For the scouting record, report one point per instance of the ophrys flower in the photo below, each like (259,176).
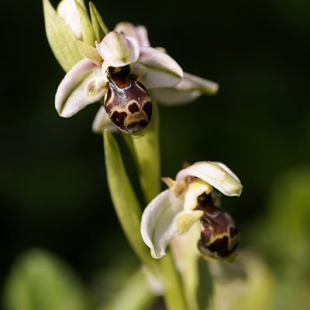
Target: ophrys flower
(187,201)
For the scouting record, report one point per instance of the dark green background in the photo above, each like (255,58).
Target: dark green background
(53,191)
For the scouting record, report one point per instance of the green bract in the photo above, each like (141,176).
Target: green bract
(61,38)
(69,23)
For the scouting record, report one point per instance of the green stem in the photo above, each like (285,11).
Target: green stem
(173,290)
(148,157)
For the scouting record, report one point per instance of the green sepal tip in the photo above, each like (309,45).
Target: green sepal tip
(99,27)
(87,28)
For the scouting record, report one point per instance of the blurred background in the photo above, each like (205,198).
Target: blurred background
(53,191)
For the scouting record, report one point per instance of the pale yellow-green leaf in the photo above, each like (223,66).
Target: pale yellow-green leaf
(124,199)
(173,288)
(204,285)
(100,29)
(40,281)
(60,38)
(87,29)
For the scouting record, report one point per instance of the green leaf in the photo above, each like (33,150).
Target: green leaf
(40,281)
(60,38)
(205,286)
(87,28)
(124,199)
(100,29)
(148,157)
(173,290)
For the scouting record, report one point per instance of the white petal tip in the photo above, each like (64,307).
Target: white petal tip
(216,174)
(159,255)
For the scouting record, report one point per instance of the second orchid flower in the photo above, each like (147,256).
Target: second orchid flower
(190,199)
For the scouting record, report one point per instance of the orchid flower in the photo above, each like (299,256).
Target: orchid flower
(124,92)
(115,71)
(180,206)
(186,91)
(87,82)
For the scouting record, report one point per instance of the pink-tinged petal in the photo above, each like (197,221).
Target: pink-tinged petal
(187,91)
(162,70)
(118,50)
(142,36)
(173,96)
(78,88)
(192,82)
(137,32)
(216,174)
(102,122)
(158,223)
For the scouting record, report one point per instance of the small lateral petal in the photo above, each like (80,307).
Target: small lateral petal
(216,174)
(158,223)
(72,95)
(186,220)
(89,52)
(163,71)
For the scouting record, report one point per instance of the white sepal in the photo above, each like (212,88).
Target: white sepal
(158,223)
(216,174)
(173,96)
(73,92)
(188,90)
(162,70)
